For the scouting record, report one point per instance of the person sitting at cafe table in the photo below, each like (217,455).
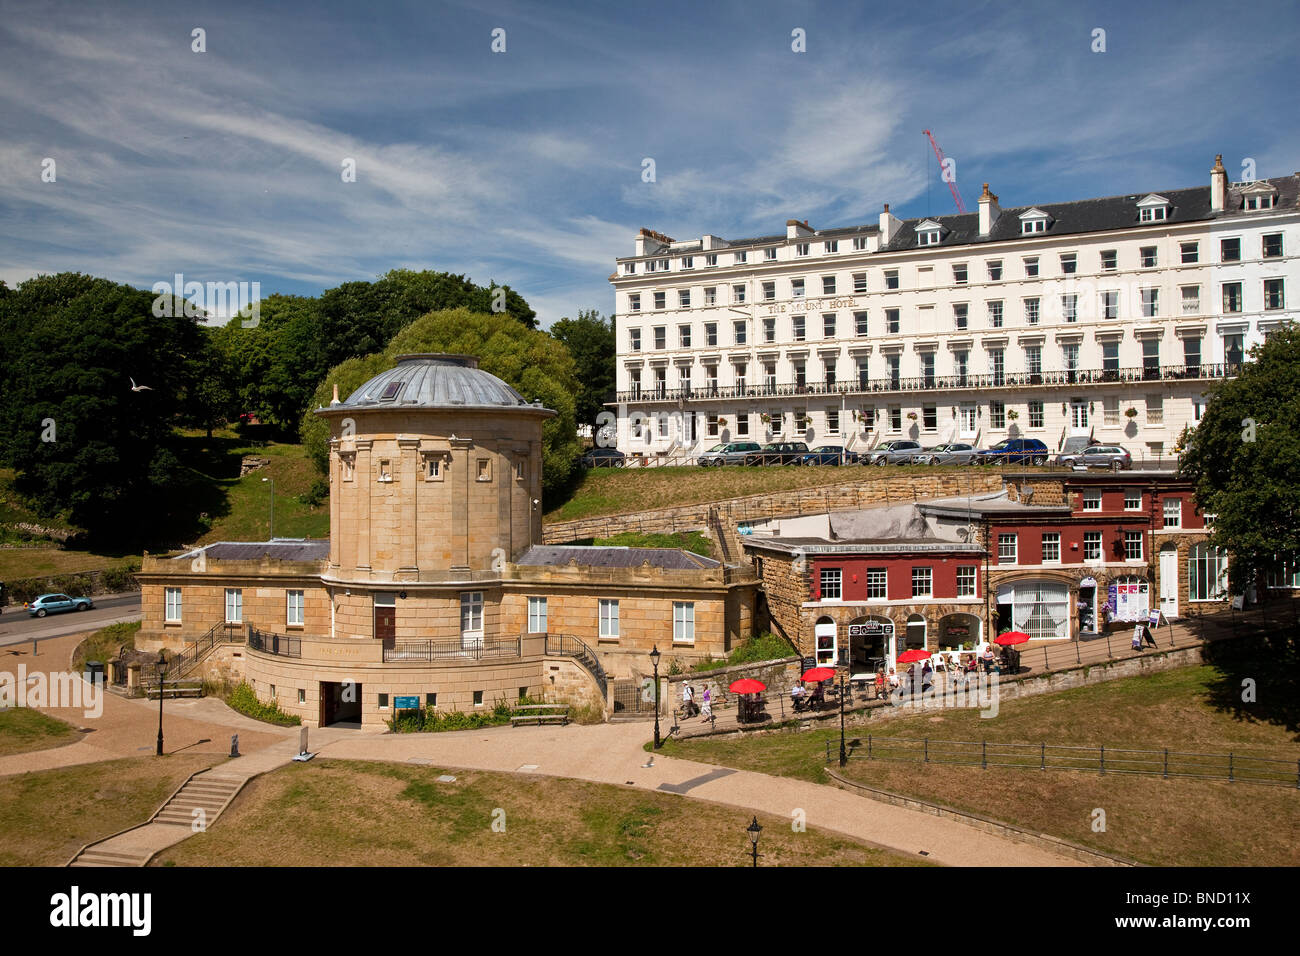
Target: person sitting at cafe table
(987,658)
(797,693)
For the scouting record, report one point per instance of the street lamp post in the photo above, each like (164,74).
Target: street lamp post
(162,675)
(654,660)
(753,830)
(844,757)
(272,481)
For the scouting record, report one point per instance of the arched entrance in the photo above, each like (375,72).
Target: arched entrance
(916,632)
(871,643)
(956,630)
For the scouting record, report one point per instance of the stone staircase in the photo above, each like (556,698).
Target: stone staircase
(208,790)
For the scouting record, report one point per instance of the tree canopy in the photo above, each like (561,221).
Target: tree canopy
(1244,458)
(537,365)
(590,340)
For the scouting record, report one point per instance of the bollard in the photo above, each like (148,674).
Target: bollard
(1166,773)
(1103,759)
(1046,666)
(927,749)
(1109,652)
(1230,780)
(1042,756)
(234,745)
(984,755)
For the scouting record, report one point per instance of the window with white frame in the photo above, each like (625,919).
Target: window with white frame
(1207,573)
(1133,545)
(922,582)
(1132,499)
(1006,549)
(1173,512)
(294,608)
(877,584)
(1031,267)
(608,619)
(960,275)
(800,249)
(1069,263)
(891,278)
(1092,500)
(1147,256)
(1051,547)
(796,288)
(832,245)
(1092,546)
(966,580)
(683,622)
(471,614)
(1190,252)
(830,584)
(537,615)
(738,293)
(711,295)
(859,243)
(234,606)
(1036,413)
(711,259)
(172,605)
(828,285)
(859,282)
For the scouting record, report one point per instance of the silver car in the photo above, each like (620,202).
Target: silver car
(727,453)
(949,453)
(1113,457)
(900,451)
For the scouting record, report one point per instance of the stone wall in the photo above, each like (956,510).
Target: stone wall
(877,486)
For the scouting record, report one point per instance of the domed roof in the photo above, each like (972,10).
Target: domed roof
(436,381)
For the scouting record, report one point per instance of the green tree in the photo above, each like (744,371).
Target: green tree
(590,340)
(70,346)
(535,364)
(1244,458)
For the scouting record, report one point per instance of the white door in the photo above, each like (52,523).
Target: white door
(1078,418)
(1169,582)
(966,415)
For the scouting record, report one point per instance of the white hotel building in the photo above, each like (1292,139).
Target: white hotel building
(1107,318)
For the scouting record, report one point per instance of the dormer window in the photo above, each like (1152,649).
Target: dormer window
(1258,195)
(929,233)
(1033,221)
(1153,209)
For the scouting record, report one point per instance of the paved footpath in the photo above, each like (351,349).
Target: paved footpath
(612,754)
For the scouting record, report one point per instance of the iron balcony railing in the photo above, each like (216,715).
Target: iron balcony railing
(453,650)
(281,645)
(1103,376)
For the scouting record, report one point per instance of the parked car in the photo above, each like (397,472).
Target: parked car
(829,455)
(778,453)
(949,453)
(603,458)
(1012,451)
(900,451)
(727,453)
(1113,457)
(55,603)
(1073,445)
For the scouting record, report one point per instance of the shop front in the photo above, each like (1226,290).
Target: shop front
(959,630)
(1129,598)
(1039,608)
(871,644)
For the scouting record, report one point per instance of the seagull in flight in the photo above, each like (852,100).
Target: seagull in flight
(140,388)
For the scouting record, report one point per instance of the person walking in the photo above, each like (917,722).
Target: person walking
(688,701)
(706,709)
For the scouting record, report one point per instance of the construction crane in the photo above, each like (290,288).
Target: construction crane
(952,185)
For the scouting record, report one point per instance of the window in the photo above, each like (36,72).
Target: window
(769,291)
(1109,260)
(738,330)
(769,330)
(1259,202)
(1132,499)
(1110,410)
(929,417)
(471,613)
(830,582)
(995,270)
(877,584)
(537,615)
(1232,297)
(859,243)
(892,365)
(891,321)
(1191,299)
(711,259)
(1173,508)
(1036,414)
(997,366)
(1273,295)
(828,371)
(688,262)
(800,370)
(684,336)
(711,333)
(1229,250)
(832,245)
(922,582)
(800,249)
(966,580)
(959,316)
(608,620)
(859,282)
(1191,252)
(234,606)
(1034,359)
(1153,213)
(1150,302)
(997,415)
(1070,354)
(1030,226)
(1051,547)
(828,285)
(683,298)
(1109,305)
(1147,256)
(661,300)
(629,268)
(868,411)
(172,598)
(742,424)
(738,293)
(294,608)
(661,337)
(796,288)
(959,273)
(1110,356)
(634,302)
(302,695)
(1031,311)
(1006,549)
(832,421)
(1092,546)
(1070,308)
(484,469)
(683,622)
(634,339)
(798,328)
(769,253)
(895,418)
(828,325)
(1272,246)
(742,257)
(1031,266)
(961,365)
(1069,263)
(769,374)
(1155,409)
(995,315)
(891,278)
(711,295)
(1092,500)
(1133,545)
(860,323)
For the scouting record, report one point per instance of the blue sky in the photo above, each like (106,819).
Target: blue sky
(525,166)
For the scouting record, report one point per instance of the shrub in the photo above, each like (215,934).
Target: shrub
(318,492)
(104,644)
(74,585)
(244,700)
(432,721)
(120,578)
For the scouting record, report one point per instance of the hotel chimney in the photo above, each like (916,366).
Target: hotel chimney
(1218,185)
(989,211)
(889,226)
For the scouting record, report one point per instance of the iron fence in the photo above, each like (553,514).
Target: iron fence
(1230,767)
(281,645)
(452,650)
(566,645)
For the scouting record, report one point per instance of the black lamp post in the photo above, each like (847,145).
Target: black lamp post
(162,675)
(654,660)
(753,830)
(844,756)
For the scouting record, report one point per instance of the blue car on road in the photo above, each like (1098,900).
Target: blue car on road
(55,603)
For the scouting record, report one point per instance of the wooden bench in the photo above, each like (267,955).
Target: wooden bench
(176,688)
(539,714)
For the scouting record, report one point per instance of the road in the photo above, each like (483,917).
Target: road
(17,626)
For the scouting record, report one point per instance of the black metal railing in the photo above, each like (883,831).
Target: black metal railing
(281,645)
(1230,767)
(452,650)
(181,663)
(566,645)
(1103,376)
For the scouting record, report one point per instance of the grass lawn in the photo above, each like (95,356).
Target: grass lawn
(17,563)
(323,814)
(693,541)
(23,730)
(48,815)
(1176,822)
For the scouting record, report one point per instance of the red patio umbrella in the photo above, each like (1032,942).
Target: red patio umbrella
(1011,637)
(916,654)
(747,685)
(818,674)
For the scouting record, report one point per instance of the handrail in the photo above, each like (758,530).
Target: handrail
(428,651)
(566,645)
(194,652)
(282,645)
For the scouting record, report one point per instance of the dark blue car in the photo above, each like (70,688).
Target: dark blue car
(829,455)
(1012,451)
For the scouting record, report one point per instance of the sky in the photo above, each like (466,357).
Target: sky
(528,166)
